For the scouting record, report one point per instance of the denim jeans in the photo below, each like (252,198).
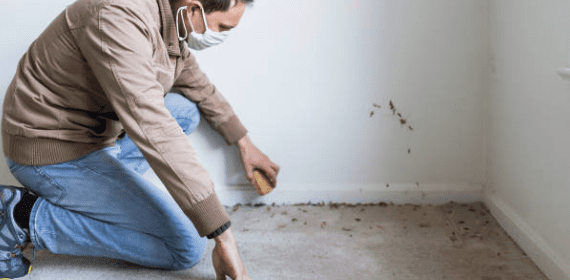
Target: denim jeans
(100,205)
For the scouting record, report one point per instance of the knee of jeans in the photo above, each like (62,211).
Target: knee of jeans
(191,258)
(183,110)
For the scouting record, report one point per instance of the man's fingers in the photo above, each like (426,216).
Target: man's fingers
(272,176)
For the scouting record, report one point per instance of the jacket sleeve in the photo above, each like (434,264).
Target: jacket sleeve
(196,86)
(118,47)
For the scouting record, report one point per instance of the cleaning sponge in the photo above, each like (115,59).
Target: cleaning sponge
(262,184)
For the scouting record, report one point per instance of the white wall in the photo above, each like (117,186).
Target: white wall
(529,139)
(304,75)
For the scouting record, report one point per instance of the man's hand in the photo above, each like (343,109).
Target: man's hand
(226,258)
(253,158)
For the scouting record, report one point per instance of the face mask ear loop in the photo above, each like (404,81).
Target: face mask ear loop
(204,17)
(192,25)
(180,11)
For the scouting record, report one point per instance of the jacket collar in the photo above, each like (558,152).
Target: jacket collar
(169,34)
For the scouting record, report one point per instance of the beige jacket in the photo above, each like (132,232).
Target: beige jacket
(103,66)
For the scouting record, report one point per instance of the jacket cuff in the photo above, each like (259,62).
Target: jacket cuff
(208,215)
(232,130)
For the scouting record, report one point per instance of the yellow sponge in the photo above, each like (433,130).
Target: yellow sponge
(261,182)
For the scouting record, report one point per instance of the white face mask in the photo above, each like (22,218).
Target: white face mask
(199,41)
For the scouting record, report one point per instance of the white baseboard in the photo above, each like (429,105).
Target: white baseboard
(287,194)
(543,255)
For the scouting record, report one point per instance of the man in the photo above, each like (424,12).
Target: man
(110,68)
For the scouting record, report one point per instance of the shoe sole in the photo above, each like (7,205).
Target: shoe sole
(10,209)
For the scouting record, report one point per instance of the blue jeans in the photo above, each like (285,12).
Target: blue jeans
(100,205)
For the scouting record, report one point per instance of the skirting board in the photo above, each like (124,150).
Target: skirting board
(543,255)
(288,194)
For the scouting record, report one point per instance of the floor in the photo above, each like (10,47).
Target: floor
(335,241)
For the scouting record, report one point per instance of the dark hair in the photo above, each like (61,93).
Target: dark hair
(218,5)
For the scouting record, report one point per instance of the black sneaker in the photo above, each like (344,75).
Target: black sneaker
(12,238)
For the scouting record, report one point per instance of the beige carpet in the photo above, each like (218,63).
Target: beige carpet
(451,241)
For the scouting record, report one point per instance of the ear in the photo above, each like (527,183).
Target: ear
(194,6)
